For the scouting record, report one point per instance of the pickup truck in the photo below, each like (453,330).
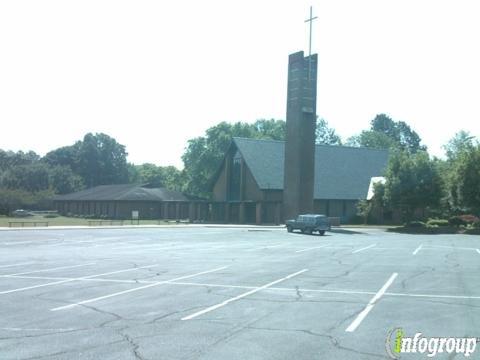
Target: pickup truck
(309,223)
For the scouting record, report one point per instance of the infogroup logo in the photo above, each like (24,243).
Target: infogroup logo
(397,343)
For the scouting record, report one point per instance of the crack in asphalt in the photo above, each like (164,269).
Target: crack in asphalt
(45,334)
(415,275)
(115,316)
(74,350)
(334,341)
(229,335)
(345,319)
(299,294)
(135,347)
(161,317)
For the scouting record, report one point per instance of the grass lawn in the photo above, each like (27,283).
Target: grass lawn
(71,221)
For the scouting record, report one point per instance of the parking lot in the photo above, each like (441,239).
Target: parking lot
(231,293)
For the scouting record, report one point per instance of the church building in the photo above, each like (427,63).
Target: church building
(250,180)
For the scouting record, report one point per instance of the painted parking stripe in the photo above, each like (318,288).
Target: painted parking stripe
(435,296)
(19,264)
(83,279)
(365,248)
(312,248)
(223,303)
(88,301)
(50,269)
(358,320)
(273,246)
(265,247)
(246,287)
(71,279)
(17,242)
(415,252)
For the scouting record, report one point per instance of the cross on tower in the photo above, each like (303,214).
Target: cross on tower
(310,20)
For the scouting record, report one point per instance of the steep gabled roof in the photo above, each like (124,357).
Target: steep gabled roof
(126,192)
(341,172)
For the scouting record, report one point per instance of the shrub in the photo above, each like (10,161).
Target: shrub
(437,222)
(50,216)
(475,231)
(469,219)
(416,224)
(476,224)
(457,221)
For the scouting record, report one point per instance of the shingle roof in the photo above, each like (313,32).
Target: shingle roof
(126,192)
(341,172)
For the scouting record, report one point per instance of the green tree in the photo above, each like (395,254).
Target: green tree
(9,159)
(33,177)
(63,180)
(203,154)
(461,142)
(464,184)
(12,199)
(412,182)
(98,159)
(382,123)
(456,151)
(64,156)
(174,179)
(408,139)
(269,129)
(102,160)
(385,133)
(150,174)
(372,139)
(326,135)
(366,208)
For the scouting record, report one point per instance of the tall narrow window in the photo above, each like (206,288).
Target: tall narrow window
(234,193)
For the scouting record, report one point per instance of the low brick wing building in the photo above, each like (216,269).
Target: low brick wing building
(118,202)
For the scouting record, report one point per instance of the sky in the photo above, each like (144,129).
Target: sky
(153,74)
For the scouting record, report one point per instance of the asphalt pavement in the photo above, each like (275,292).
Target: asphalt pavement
(232,293)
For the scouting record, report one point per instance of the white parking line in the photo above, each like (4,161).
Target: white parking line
(51,269)
(449,247)
(72,279)
(353,326)
(365,248)
(39,329)
(274,246)
(246,287)
(19,264)
(141,247)
(338,247)
(17,242)
(266,247)
(417,249)
(463,297)
(312,248)
(223,303)
(352,292)
(136,281)
(134,289)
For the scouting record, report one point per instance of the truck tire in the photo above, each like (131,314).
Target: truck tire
(321,232)
(289,228)
(308,231)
